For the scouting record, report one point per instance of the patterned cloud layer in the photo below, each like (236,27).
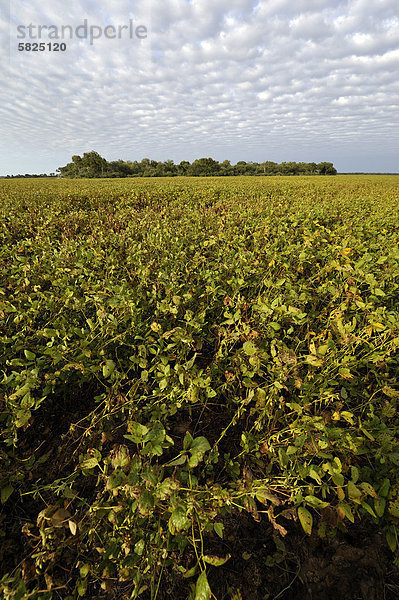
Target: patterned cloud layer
(237,79)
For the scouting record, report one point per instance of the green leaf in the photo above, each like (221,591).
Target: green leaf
(249,348)
(145,503)
(368,489)
(116,480)
(200,444)
(260,397)
(202,589)
(392,539)
(264,495)
(188,439)
(82,587)
(384,488)
(22,418)
(178,521)
(139,547)
(191,572)
(137,431)
(176,462)
(314,475)
(368,508)
(346,511)
(379,506)
(315,502)
(354,474)
(283,457)
(89,463)
(163,383)
(84,570)
(29,355)
(306,519)
(195,459)
(108,368)
(393,508)
(219,527)
(353,492)
(6,493)
(337,465)
(338,479)
(348,416)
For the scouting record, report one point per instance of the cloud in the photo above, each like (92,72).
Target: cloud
(234,79)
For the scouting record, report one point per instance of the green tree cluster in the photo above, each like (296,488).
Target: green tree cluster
(91,164)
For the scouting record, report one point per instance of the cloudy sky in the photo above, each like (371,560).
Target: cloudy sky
(304,80)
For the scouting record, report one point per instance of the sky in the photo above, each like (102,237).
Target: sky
(281,80)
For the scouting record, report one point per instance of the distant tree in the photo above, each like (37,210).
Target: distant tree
(204,167)
(183,167)
(240,168)
(269,167)
(226,168)
(93,165)
(326,168)
(169,169)
(312,168)
(145,163)
(90,165)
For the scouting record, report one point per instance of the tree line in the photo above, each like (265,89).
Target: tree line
(28,175)
(91,164)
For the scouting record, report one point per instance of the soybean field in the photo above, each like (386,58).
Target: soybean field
(199,388)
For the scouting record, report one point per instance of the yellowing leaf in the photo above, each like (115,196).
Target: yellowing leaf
(60,518)
(178,521)
(345,373)
(314,360)
(216,561)
(202,589)
(315,502)
(89,463)
(314,475)
(306,519)
(368,489)
(73,527)
(344,510)
(393,508)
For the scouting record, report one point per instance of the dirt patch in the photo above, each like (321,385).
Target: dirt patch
(355,565)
